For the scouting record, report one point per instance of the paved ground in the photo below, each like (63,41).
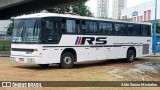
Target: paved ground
(88,71)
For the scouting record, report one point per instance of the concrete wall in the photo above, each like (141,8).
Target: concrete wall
(20,7)
(9,3)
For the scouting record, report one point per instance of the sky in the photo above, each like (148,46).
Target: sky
(92,4)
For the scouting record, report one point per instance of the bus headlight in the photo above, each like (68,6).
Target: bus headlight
(30,59)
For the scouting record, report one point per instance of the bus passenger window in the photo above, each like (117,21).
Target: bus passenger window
(63,25)
(91,27)
(137,30)
(78,30)
(120,29)
(83,26)
(71,24)
(131,30)
(105,28)
(145,30)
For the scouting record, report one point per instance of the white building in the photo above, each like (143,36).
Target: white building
(4,26)
(142,12)
(102,8)
(118,5)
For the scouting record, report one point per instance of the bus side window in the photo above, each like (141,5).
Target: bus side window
(145,30)
(105,28)
(70,26)
(78,30)
(91,27)
(137,30)
(120,29)
(83,26)
(63,25)
(131,30)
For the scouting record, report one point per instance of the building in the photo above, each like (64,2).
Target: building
(4,26)
(118,6)
(102,8)
(142,12)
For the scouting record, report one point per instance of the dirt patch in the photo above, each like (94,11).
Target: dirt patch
(87,71)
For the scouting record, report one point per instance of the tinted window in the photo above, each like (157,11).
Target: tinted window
(120,29)
(145,31)
(133,29)
(51,30)
(105,28)
(70,26)
(137,30)
(89,27)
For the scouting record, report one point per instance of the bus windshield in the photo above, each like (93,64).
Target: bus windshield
(26,30)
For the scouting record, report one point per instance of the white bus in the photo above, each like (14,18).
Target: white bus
(47,38)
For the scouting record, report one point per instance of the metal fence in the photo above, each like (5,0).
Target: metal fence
(158,44)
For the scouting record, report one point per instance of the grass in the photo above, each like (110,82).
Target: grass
(5,45)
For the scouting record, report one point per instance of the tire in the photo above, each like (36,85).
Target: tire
(43,65)
(67,60)
(130,56)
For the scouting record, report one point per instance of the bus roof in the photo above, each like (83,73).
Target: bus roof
(42,15)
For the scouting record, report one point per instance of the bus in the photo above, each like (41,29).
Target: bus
(49,38)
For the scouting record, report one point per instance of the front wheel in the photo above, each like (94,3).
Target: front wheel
(67,60)
(130,56)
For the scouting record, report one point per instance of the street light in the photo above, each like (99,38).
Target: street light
(154,36)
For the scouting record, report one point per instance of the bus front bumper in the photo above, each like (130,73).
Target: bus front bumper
(22,59)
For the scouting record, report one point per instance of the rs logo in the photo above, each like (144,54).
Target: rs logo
(91,40)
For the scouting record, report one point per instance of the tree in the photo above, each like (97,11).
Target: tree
(10,28)
(77,8)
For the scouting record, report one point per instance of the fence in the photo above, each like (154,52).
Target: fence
(158,43)
(5,45)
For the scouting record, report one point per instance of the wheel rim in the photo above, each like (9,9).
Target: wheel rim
(67,60)
(131,56)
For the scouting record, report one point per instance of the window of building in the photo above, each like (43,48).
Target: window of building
(120,29)
(105,28)
(149,15)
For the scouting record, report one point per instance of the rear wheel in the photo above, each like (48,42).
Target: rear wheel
(67,60)
(44,65)
(130,56)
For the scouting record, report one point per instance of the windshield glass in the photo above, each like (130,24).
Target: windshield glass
(27,30)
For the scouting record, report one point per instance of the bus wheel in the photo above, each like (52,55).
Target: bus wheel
(43,65)
(67,60)
(130,56)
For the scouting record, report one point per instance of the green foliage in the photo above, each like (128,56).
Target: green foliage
(5,45)
(77,8)
(10,28)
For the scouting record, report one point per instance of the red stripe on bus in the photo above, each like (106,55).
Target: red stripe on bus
(79,41)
